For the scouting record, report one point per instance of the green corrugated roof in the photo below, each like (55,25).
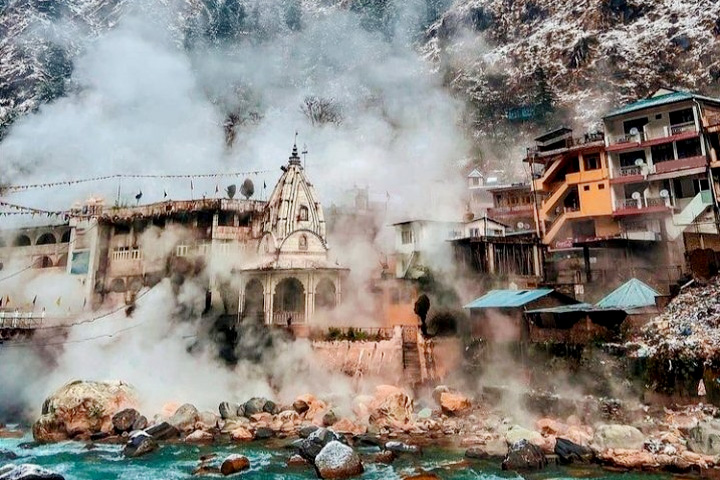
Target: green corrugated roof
(508,298)
(659,100)
(631,294)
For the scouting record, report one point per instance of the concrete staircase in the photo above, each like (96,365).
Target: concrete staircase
(692,211)
(411,355)
(555,197)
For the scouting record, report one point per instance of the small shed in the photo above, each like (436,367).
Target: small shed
(499,315)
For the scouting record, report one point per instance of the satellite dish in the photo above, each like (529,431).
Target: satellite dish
(634,131)
(639,162)
(520,225)
(664,193)
(527,226)
(636,195)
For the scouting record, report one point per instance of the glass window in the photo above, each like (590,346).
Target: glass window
(689,148)
(662,153)
(628,159)
(679,117)
(637,123)
(592,162)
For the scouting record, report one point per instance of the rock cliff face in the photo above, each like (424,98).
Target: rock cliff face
(538,61)
(584,56)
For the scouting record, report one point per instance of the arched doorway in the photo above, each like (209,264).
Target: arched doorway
(44,262)
(254,301)
(289,302)
(325,295)
(21,241)
(46,239)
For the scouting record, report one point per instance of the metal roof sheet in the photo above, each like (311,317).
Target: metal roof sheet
(631,294)
(578,307)
(508,298)
(658,101)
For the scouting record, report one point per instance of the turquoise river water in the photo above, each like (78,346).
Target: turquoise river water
(79,461)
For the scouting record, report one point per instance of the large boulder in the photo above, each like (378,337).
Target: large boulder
(81,409)
(517,433)
(229,411)
(254,406)
(163,431)
(234,464)
(705,438)
(337,460)
(124,420)
(27,471)
(140,443)
(618,436)
(184,418)
(454,403)
(315,442)
(524,455)
(569,452)
(391,405)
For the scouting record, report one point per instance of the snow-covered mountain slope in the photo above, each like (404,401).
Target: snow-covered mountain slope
(593,54)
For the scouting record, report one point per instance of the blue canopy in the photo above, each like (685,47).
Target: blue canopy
(631,294)
(508,298)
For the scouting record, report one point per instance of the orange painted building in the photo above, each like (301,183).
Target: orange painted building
(572,188)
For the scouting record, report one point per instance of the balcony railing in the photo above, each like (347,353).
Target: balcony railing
(682,128)
(133,254)
(571,142)
(630,171)
(17,320)
(630,138)
(281,318)
(641,203)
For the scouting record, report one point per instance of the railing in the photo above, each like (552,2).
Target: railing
(640,203)
(510,209)
(281,318)
(630,138)
(629,171)
(571,142)
(20,320)
(134,254)
(682,128)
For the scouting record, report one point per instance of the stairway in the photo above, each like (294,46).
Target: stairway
(555,197)
(692,211)
(411,355)
(557,225)
(550,172)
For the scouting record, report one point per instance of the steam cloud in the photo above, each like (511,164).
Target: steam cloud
(142,101)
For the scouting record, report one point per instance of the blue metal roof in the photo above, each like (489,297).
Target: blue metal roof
(659,100)
(508,298)
(631,294)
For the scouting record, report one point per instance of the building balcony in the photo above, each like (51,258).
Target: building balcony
(590,140)
(671,133)
(509,211)
(680,164)
(631,206)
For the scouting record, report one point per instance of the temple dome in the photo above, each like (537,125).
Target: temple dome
(293,205)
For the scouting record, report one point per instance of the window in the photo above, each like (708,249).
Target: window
(689,148)
(629,159)
(586,188)
(407,236)
(303,242)
(592,162)
(680,117)
(662,153)
(601,186)
(637,123)
(303,215)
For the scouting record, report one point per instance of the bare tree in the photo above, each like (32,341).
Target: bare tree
(321,110)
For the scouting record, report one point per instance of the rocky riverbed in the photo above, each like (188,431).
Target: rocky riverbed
(382,427)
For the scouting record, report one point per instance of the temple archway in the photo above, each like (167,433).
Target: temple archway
(21,241)
(44,262)
(46,239)
(289,302)
(325,295)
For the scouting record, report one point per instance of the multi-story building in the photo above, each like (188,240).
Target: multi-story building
(661,155)
(572,188)
(513,205)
